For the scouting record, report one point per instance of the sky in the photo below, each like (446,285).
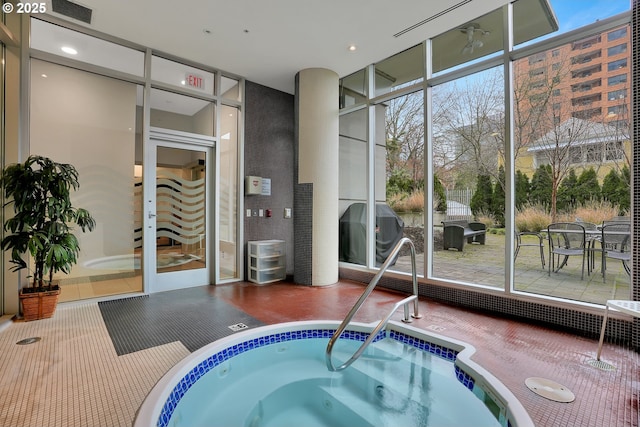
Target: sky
(572,14)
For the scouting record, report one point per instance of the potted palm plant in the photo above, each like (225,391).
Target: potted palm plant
(42,227)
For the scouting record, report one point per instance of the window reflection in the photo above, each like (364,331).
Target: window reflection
(470,42)
(170,110)
(401,70)
(353,89)
(353,187)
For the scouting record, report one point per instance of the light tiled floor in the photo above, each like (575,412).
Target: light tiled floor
(73,377)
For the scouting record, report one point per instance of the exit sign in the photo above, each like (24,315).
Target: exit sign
(194,81)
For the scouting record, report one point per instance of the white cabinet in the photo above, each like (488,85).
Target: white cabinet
(266,261)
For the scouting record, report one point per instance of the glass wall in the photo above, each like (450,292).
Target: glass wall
(230,88)
(182,76)
(468,158)
(94,129)
(228,191)
(353,89)
(471,42)
(572,157)
(401,70)
(174,111)
(354,178)
(404,182)
(77,46)
(93,116)
(501,169)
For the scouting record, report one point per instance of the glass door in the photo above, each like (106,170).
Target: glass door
(176,177)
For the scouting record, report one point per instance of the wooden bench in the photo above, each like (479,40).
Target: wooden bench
(457,231)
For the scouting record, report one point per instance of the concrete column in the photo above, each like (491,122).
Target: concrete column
(317,130)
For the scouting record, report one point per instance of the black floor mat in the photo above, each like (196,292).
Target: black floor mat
(190,316)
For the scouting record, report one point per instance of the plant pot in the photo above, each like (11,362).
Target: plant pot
(39,305)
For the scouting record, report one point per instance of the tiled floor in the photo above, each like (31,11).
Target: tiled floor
(74,377)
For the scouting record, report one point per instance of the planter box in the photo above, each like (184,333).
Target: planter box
(39,305)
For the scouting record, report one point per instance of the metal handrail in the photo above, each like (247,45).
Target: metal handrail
(384,321)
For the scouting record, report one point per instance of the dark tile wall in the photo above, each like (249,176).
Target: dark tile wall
(303,221)
(269,153)
(304,226)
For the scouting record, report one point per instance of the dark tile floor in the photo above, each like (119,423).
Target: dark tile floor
(511,350)
(191,316)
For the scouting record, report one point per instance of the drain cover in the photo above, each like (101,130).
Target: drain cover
(603,366)
(28,341)
(550,389)
(237,327)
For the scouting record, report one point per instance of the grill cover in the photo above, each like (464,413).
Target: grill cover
(353,233)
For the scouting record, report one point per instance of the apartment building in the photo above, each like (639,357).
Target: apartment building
(576,96)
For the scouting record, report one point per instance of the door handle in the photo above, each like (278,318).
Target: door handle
(151,214)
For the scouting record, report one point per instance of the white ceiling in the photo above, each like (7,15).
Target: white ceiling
(269,41)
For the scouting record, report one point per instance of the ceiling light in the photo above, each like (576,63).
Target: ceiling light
(352,48)
(44,76)
(471,30)
(69,50)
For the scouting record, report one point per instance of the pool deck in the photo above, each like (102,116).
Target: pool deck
(74,377)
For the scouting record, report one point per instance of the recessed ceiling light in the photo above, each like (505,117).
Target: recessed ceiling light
(44,76)
(206,31)
(183,82)
(69,50)
(352,48)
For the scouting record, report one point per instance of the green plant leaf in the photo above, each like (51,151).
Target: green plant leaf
(40,191)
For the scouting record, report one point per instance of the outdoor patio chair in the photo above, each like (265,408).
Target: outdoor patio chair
(615,240)
(565,239)
(592,241)
(535,243)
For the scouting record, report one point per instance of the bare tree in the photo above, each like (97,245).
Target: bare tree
(405,132)
(558,113)
(617,129)
(469,124)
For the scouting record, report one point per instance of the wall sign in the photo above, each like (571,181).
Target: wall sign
(266,187)
(194,81)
